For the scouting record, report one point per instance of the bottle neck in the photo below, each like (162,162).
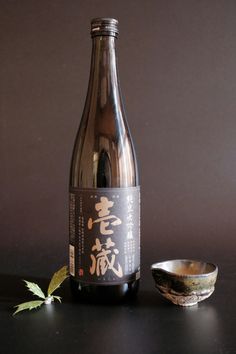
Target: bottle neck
(103,82)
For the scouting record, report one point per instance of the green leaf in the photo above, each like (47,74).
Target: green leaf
(57,298)
(57,279)
(35,289)
(28,306)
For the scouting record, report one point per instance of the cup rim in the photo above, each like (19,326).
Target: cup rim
(157,265)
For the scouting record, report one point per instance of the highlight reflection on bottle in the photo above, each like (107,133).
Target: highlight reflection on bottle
(104,186)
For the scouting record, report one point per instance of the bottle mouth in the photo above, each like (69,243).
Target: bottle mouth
(103,26)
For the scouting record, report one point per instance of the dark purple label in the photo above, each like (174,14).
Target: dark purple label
(105,235)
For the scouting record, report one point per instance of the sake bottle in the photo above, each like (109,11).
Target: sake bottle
(104,222)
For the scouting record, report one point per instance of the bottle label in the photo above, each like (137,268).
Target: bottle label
(105,235)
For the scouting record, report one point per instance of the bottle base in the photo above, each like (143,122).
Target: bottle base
(104,294)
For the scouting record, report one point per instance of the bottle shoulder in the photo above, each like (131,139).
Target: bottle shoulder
(104,154)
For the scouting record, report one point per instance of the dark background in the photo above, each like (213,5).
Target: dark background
(178,77)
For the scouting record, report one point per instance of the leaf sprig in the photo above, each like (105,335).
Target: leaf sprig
(56,281)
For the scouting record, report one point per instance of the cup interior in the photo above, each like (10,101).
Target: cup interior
(185,267)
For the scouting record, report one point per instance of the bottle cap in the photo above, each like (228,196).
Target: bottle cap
(103,26)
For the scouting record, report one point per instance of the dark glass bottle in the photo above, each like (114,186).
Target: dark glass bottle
(104,185)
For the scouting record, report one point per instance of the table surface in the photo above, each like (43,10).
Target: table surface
(148,325)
